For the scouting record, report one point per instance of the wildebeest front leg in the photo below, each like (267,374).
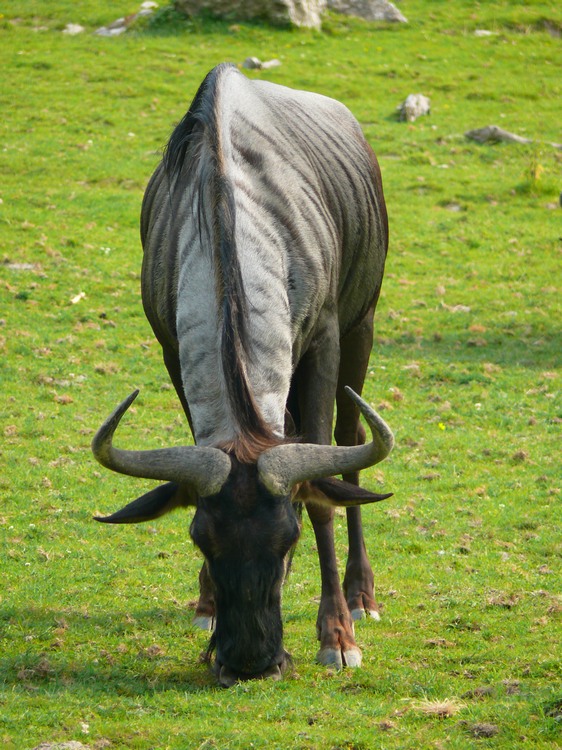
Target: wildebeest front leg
(316,381)
(358,583)
(205,611)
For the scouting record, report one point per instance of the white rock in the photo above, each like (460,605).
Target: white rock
(270,64)
(73,28)
(414,106)
(254,63)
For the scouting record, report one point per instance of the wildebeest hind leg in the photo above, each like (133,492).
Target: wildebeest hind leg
(358,583)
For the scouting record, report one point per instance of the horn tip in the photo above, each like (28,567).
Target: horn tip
(115,518)
(384,431)
(132,396)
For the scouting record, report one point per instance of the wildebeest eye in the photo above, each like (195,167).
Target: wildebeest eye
(288,535)
(201,533)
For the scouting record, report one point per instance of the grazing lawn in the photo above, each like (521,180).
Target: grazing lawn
(96,638)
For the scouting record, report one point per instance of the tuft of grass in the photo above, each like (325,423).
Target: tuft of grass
(538,180)
(440,709)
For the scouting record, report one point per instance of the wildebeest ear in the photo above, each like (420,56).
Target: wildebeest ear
(153,504)
(336,492)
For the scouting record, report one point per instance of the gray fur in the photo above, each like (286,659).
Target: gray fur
(308,228)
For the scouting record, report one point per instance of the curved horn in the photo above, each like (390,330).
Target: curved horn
(204,469)
(282,467)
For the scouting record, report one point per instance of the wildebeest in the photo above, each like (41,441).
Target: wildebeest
(265,234)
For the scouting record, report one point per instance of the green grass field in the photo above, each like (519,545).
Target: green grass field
(96,638)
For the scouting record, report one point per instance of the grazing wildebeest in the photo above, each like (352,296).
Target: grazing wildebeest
(265,233)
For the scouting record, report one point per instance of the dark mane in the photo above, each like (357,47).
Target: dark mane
(195,148)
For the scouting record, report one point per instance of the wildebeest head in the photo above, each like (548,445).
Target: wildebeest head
(245,524)
(245,533)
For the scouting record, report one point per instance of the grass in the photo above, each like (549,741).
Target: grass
(95,623)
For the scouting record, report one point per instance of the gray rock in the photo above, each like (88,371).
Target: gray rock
(295,12)
(252,63)
(494,134)
(370,10)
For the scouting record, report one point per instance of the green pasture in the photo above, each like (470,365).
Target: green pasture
(96,640)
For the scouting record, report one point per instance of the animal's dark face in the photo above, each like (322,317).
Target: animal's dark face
(245,534)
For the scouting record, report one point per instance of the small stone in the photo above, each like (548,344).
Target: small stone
(414,106)
(252,63)
(270,64)
(72,29)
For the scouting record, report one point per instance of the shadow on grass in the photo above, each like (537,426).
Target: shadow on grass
(531,349)
(102,653)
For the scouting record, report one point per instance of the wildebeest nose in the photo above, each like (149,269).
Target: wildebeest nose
(228,678)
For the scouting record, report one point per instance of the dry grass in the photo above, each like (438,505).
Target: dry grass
(441,709)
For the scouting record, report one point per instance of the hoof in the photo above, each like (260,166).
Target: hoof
(330,657)
(205,622)
(333,657)
(352,658)
(358,614)
(361,614)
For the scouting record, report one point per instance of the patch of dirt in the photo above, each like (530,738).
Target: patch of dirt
(480,729)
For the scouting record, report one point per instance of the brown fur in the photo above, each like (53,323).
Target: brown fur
(247,448)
